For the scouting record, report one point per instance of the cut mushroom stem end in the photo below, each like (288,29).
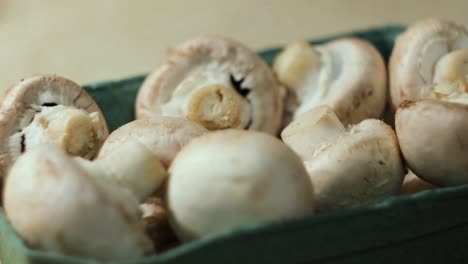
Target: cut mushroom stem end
(69,128)
(218,107)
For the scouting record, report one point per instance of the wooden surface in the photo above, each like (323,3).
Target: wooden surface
(91,40)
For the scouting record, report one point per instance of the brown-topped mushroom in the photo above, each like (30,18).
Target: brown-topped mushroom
(52,109)
(216,82)
(427,53)
(347,74)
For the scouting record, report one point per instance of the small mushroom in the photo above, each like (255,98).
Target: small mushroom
(359,166)
(433,135)
(55,205)
(164,136)
(347,74)
(427,53)
(229,178)
(413,184)
(49,109)
(215,82)
(132,166)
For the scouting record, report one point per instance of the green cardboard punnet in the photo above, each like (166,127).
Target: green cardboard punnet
(427,227)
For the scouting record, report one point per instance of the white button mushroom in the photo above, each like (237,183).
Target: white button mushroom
(164,136)
(433,135)
(228,178)
(216,82)
(361,165)
(55,205)
(49,109)
(426,53)
(347,74)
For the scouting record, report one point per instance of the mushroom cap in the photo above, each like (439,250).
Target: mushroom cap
(228,178)
(347,74)
(362,167)
(416,54)
(433,139)
(176,87)
(164,136)
(413,184)
(55,205)
(22,102)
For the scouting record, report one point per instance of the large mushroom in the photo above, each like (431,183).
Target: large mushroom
(356,166)
(216,82)
(56,204)
(433,135)
(347,74)
(429,52)
(49,109)
(229,178)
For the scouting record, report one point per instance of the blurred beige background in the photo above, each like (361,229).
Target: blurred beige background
(91,40)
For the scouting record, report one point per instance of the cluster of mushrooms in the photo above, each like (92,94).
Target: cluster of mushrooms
(221,140)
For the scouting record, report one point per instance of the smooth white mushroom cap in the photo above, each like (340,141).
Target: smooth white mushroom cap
(347,74)
(420,58)
(228,178)
(164,136)
(55,205)
(216,82)
(433,136)
(362,166)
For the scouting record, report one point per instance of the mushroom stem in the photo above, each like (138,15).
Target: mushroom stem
(132,166)
(294,63)
(453,67)
(449,92)
(71,129)
(218,107)
(312,130)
